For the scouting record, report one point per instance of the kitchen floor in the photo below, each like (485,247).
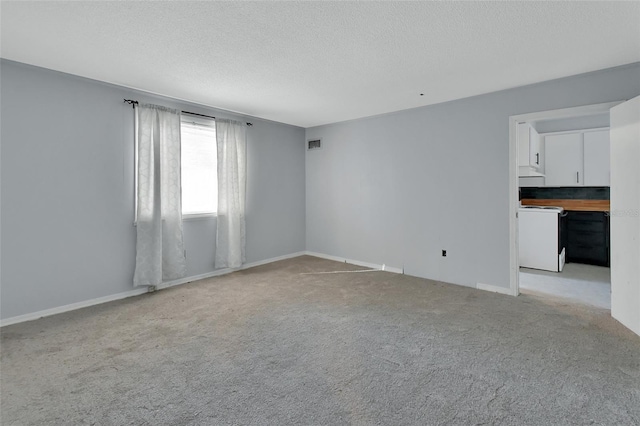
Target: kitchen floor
(582,283)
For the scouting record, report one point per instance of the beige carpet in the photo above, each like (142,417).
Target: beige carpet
(274,346)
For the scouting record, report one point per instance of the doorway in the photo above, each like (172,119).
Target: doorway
(559,223)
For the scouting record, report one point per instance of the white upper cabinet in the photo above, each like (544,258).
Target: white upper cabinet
(564,160)
(534,148)
(577,159)
(596,158)
(528,150)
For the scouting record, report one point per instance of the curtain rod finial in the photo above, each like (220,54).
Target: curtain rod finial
(131,102)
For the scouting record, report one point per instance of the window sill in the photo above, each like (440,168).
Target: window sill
(198,216)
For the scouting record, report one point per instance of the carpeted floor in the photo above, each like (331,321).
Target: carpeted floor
(273,346)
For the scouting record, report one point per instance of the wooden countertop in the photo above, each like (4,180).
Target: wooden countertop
(575,205)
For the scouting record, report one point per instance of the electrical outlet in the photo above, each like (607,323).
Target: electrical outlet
(444,253)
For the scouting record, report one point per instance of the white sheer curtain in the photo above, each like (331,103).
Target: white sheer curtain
(159,246)
(232,183)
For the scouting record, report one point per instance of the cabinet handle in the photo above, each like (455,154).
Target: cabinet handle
(537,158)
(577,177)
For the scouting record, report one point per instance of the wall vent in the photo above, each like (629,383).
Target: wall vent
(314,144)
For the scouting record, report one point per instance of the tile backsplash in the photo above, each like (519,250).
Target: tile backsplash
(566,193)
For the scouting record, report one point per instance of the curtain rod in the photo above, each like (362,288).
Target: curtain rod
(134,103)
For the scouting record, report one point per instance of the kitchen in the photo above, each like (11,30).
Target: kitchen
(564,221)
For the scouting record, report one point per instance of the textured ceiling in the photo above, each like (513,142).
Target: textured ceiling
(311,63)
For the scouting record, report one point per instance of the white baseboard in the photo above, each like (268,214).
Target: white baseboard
(73,306)
(138,291)
(479,286)
(273,259)
(356,262)
(392,269)
(225,271)
(186,280)
(495,289)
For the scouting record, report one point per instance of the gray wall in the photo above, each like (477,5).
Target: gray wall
(398,188)
(67,190)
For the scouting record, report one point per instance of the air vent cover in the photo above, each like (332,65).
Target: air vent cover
(314,144)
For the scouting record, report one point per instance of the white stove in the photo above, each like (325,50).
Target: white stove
(549,209)
(539,237)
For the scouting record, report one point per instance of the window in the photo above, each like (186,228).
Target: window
(199,166)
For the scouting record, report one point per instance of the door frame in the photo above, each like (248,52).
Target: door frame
(514,204)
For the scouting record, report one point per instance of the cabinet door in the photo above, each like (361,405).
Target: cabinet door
(564,160)
(587,238)
(523,144)
(596,158)
(534,148)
